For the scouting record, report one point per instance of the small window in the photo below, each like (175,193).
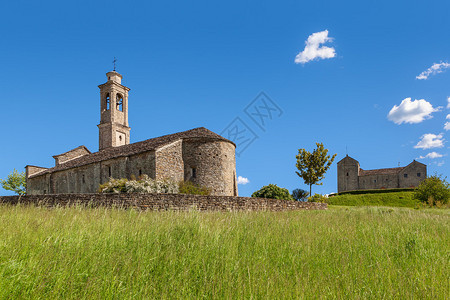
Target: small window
(405,175)
(418,174)
(120,138)
(108,101)
(45,192)
(140,172)
(194,173)
(347,174)
(374,181)
(109,78)
(109,171)
(83,179)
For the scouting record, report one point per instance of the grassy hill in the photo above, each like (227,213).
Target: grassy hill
(396,199)
(353,252)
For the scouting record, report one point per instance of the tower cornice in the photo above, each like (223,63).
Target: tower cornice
(112,83)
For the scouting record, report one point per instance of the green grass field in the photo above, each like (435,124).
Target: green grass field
(394,199)
(349,252)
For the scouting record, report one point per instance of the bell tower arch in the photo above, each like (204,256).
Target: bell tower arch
(113,128)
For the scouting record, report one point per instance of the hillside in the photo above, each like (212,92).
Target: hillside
(395,199)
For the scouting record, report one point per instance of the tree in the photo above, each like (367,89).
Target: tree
(15,182)
(272,191)
(300,195)
(433,189)
(313,166)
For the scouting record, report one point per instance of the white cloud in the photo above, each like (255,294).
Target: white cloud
(447,124)
(430,140)
(312,49)
(242,180)
(440,164)
(431,155)
(411,111)
(434,69)
(448,102)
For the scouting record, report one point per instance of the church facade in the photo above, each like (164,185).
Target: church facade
(198,155)
(352,177)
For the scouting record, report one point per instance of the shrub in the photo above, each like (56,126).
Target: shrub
(318,198)
(113,186)
(145,185)
(300,195)
(188,187)
(272,191)
(432,190)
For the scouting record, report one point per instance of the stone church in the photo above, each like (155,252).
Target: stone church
(198,155)
(351,177)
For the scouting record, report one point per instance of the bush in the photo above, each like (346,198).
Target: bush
(318,198)
(272,191)
(145,185)
(188,187)
(433,190)
(113,186)
(300,195)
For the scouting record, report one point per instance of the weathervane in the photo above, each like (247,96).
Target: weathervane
(114,62)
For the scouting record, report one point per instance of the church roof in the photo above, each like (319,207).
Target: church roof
(388,171)
(135,148)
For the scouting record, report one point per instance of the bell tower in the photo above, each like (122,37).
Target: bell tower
(113,127)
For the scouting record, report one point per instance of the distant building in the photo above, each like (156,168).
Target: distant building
(351,177)
(197,155)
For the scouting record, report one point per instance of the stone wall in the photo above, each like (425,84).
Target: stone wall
(69,155)
(347,174)
(412,175)
(169,162)
(214,164)
(378,181)
(207,162)
(163,202)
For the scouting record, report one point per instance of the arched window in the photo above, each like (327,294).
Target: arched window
(119,102)
(107,101)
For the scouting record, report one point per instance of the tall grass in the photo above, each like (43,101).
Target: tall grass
(365,253)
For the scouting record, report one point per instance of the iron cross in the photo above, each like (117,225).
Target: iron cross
(114,62)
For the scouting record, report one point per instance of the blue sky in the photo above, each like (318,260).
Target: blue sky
(202,63)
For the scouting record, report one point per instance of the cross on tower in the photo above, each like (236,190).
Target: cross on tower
(114,62)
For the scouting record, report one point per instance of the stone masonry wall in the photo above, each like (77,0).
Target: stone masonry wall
(163,202)
(74,153)
(169,162)
(415,173)
(215,165)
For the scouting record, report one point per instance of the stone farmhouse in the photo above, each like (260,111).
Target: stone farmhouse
(198,155)
(351,177)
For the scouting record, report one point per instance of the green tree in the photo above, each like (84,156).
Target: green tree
(313,166)
(272,191)
(16,182)
(433,189)
(300,195)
